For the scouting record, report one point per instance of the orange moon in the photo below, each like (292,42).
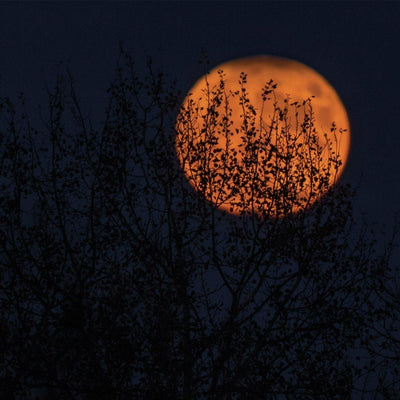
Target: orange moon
(219,122)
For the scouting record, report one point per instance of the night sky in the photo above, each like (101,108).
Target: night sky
(353,45)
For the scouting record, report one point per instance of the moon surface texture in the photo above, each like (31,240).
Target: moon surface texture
(262,135)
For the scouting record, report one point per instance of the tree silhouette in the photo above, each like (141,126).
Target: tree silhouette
(118,280)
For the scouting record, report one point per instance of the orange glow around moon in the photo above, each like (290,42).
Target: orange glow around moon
(250,147)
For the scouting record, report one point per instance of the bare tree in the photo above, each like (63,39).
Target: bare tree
(118,280)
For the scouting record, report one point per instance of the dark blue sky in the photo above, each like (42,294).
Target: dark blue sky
(354,45)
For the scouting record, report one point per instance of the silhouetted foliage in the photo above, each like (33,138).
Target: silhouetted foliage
(119,281)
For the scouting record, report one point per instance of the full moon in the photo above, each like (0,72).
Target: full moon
(262,135)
